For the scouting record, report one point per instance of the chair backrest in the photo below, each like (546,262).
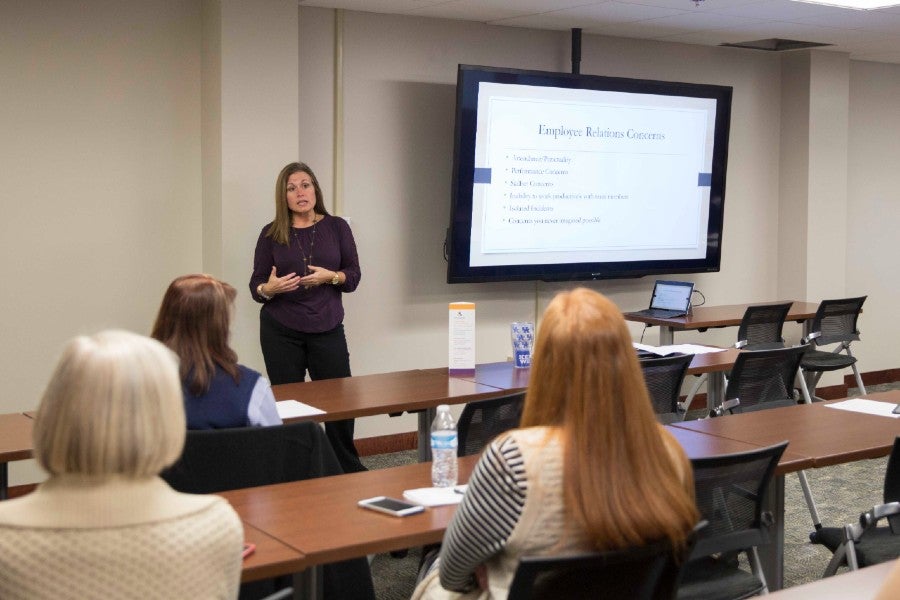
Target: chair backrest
(663,377)
(892,483)
(482,421)
(892,475)
(649,572)
(835,320)
(764,378)
(761,326)
(730,490)
(216,460)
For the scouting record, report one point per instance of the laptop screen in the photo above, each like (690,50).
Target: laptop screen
(672,295)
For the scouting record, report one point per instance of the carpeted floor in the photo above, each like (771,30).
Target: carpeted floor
(841,493)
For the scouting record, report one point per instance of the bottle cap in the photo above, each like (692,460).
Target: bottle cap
(443,408)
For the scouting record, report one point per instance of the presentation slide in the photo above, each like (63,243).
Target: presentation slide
(572,175)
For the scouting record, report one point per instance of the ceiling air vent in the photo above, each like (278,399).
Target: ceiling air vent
(776,45)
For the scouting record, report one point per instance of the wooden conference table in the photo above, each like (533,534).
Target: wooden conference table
(859,585)
(271,558)
(707,317)
(15,444)
(386,393)
(367,395)
(505,376)
(423,390)
(320,519)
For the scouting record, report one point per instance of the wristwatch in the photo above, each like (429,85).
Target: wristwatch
(260,292)
(336,280)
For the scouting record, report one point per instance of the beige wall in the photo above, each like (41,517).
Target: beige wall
(873,208)
(794,173)
(398,147)
(258,128)
(100,175)
(164,125)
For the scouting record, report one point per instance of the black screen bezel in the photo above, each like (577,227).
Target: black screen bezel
(459,269)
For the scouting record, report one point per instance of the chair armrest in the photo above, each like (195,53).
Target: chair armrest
(726,406)
(869,519)
(878,512)
(810,337)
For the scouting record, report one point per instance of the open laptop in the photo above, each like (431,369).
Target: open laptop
(670,299)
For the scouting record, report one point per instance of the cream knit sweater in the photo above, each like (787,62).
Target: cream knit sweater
(118,538)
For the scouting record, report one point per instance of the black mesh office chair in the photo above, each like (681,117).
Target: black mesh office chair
(762,379)
(762,325)
(482,421)
(648,572)
(864,544)
(663,377)
(216,460)
(834,323)
(730,490)
(760,329)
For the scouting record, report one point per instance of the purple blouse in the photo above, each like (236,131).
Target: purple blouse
(318,308)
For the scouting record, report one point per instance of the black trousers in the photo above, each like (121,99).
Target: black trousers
(289,354)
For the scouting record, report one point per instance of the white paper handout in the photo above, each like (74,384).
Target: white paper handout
(291,409)
(679,348)
(869,407)
(433,496)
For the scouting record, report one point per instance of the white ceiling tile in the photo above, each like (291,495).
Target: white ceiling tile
(491,10)
(378,6)
(786,30)
(690,22)
(706,38)
(652,29)
(774,10)
(861,33)
(606,13)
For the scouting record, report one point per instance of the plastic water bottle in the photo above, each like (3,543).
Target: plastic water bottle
(443,448)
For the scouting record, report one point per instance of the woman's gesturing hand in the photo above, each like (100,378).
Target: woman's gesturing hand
(317,276)
(280,285)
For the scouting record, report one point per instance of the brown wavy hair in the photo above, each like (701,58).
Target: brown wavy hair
(280,229)
(194,321)
(626,480)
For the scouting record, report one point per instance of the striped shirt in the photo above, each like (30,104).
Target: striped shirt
(487,515)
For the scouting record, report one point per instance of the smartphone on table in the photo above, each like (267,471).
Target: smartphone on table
(391,506)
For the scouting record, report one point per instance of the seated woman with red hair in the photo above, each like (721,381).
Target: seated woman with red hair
(588,469)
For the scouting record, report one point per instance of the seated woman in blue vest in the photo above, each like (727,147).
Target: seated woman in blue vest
(194,321)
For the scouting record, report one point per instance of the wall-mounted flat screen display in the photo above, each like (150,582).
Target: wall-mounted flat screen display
(567,177)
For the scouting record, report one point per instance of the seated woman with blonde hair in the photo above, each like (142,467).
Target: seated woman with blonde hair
(104,525)
(194,320)
(589,469)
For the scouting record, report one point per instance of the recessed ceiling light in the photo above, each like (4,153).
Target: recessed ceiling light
(854,4)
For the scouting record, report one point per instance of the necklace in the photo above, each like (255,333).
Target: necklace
(307,258)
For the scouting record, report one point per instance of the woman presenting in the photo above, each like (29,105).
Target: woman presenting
(305,260)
